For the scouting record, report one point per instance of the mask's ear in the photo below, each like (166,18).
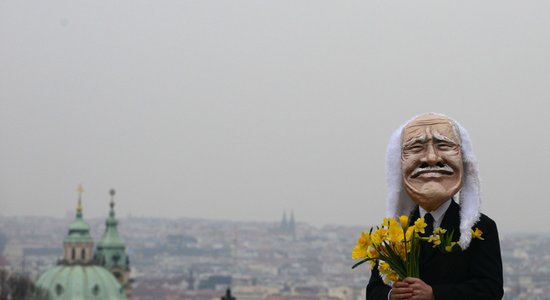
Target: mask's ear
(470,194)
(398,201)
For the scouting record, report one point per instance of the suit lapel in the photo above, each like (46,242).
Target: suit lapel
(451,220)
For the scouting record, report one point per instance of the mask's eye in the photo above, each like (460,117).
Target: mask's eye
(414,148)
(444,146)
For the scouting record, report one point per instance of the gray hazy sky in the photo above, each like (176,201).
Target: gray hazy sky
(240,109)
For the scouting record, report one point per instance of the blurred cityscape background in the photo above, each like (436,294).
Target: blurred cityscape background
(200,259)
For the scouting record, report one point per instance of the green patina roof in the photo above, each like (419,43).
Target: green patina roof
(110,238)
(78,225)
(111,251)
(79,231)
(76,282)
(84,281)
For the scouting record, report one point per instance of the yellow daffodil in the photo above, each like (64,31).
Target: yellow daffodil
(364,239)
(393,277)
(371,252)
(434,239)
(476,234)
(410,232)
(383,267)
(419,225)
(390,223)
(360,250)
(399,248)
(439,230)
(404,220)
(450,247)
(379,236)
(395,234)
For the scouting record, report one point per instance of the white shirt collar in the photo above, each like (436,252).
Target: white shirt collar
(438,213)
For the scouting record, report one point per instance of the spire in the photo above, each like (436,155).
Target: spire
(112,192)
(80,191)
(292,224)
(111,247)
(78,238)
(284,221)
(111,251)
(110,237)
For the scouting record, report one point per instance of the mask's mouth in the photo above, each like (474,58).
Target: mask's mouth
(432,171)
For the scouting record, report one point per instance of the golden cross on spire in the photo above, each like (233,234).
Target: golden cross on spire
(80,190)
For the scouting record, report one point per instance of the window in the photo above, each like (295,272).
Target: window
(58,289)
(95,290)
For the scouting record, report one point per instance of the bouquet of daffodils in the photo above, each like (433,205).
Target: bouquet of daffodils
(394,247)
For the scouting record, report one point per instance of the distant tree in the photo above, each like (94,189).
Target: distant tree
(40,294)
(20,287)
(3,285)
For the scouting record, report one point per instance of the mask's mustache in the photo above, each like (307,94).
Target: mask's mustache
(439,168)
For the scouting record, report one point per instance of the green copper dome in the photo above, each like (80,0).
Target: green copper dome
(77,282)
(79,231)
(77,275)
(79,226)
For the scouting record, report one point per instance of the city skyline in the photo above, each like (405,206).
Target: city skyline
(193,258)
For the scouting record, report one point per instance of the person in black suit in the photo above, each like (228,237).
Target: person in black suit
(429,161)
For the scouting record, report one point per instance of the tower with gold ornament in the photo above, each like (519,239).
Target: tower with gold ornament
(76,275)
(78,244)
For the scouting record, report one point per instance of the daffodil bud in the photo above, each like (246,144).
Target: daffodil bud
(404,222)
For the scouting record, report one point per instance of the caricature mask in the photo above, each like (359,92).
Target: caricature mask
(431,160)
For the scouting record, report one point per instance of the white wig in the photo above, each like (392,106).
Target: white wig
(469,196)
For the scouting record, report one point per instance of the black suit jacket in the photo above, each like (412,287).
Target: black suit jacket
(473,274)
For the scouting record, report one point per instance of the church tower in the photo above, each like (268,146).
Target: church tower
(284,222)
(111,251)
(76,275)
(78,244)
(292,225)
